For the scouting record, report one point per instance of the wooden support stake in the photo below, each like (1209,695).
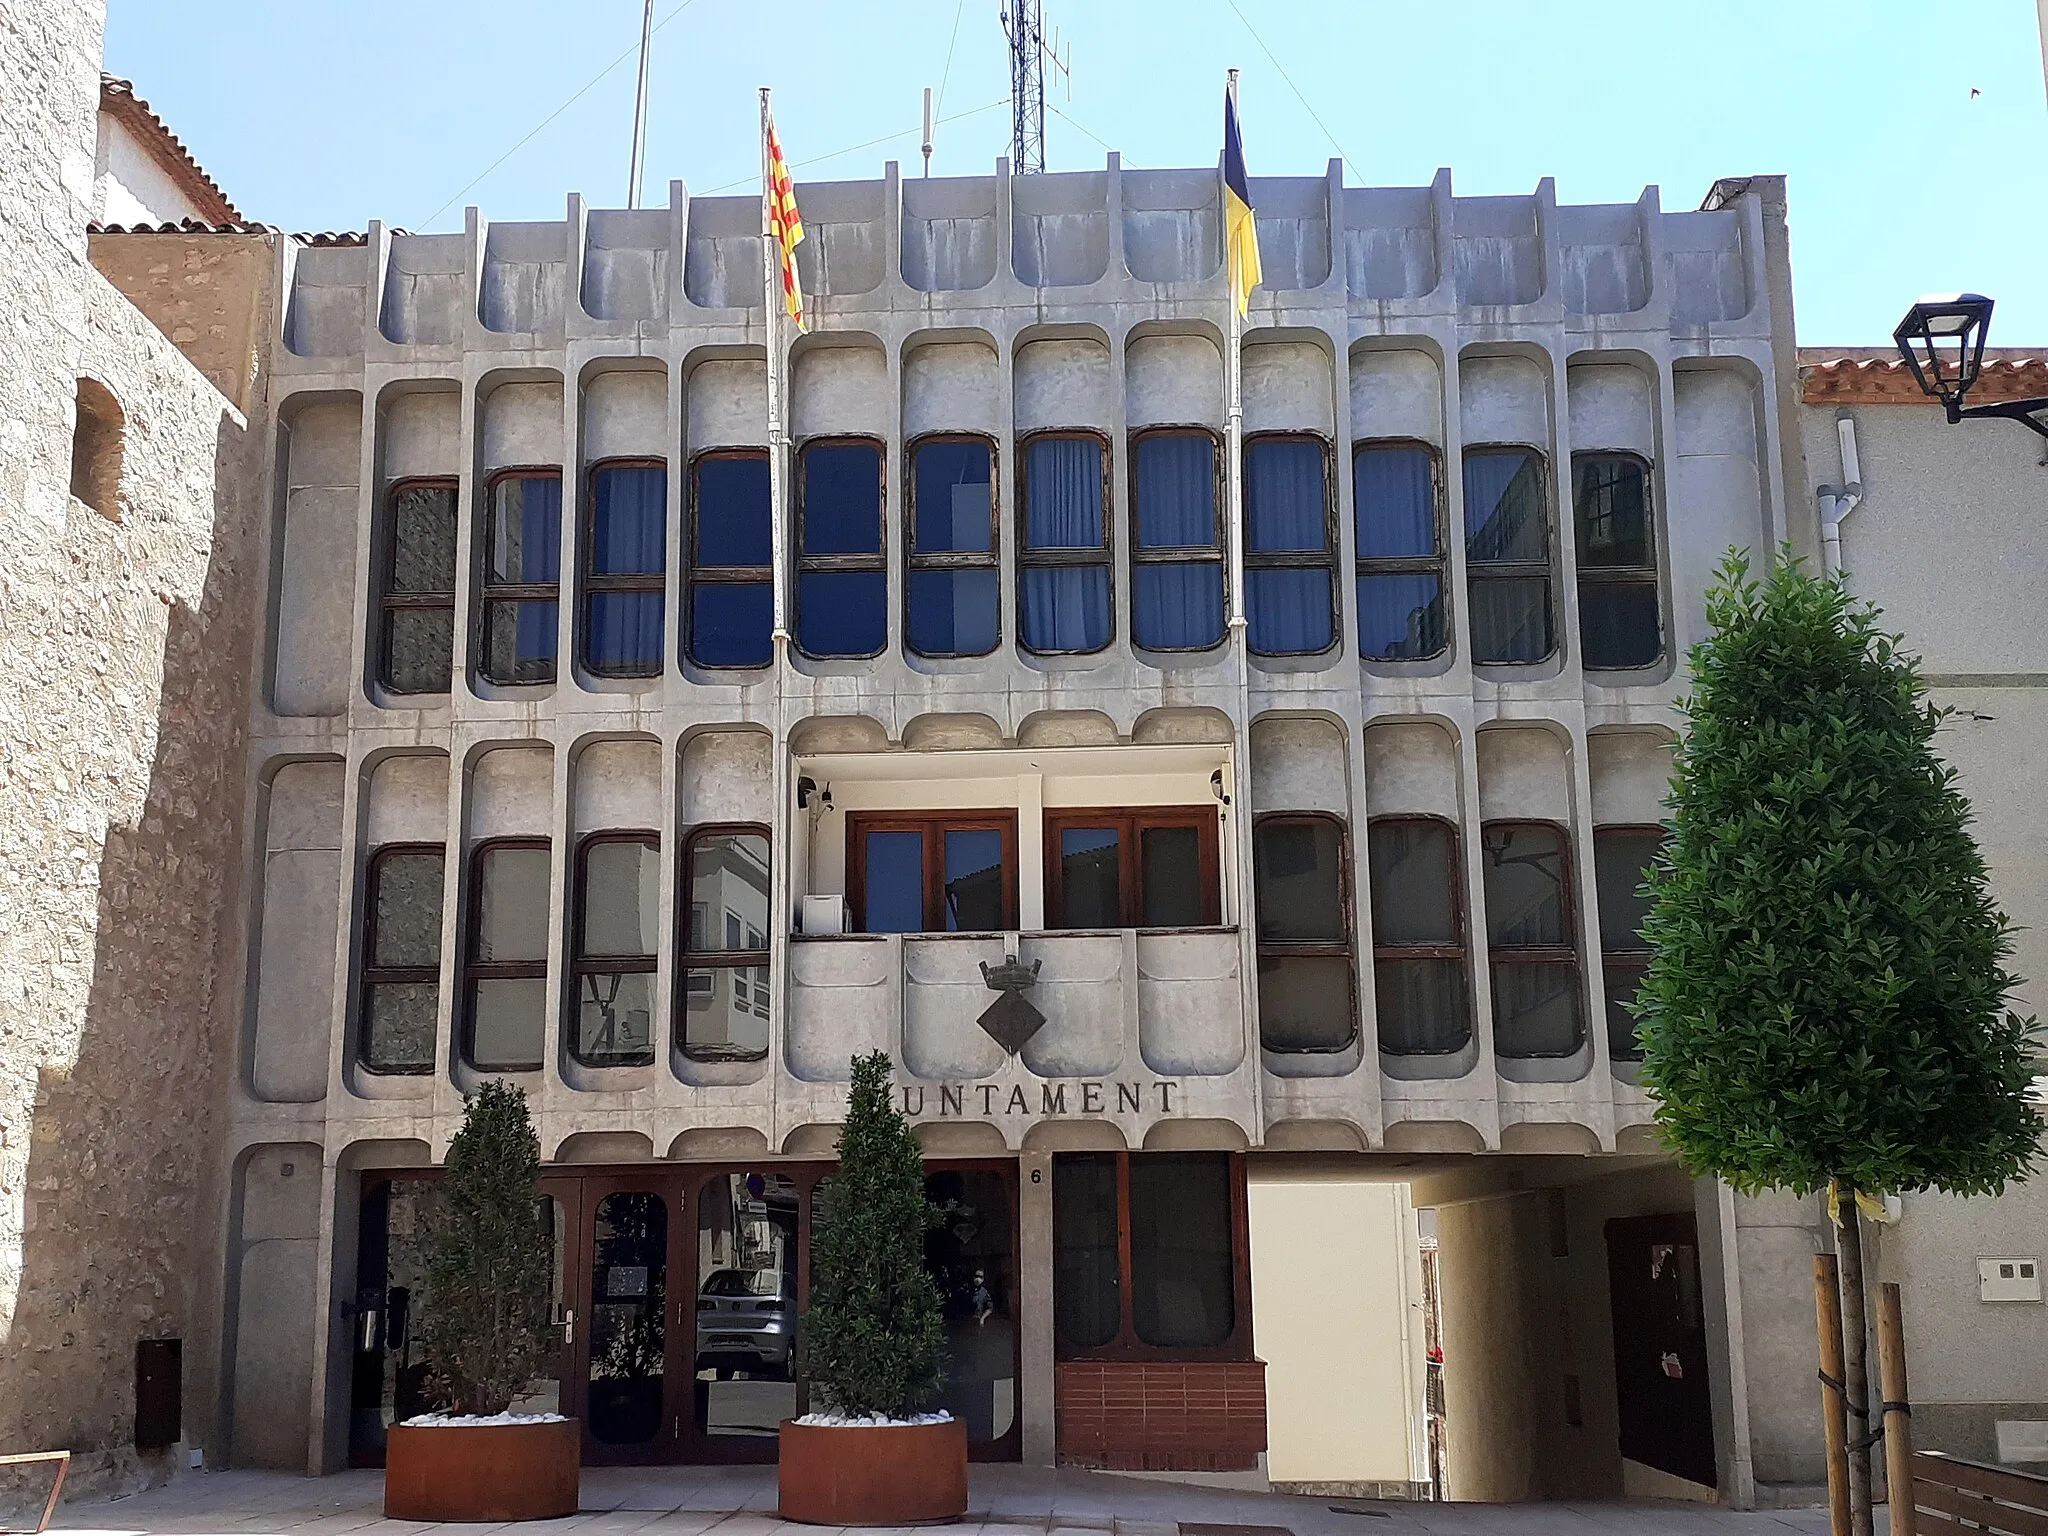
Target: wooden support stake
(1898,1414)
(1834,1407)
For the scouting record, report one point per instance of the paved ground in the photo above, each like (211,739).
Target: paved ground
(1004,1501)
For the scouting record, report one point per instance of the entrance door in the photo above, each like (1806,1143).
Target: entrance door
(1660,1345)
(627,1356)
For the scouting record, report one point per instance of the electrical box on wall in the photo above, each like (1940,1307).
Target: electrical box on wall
(2008,1279)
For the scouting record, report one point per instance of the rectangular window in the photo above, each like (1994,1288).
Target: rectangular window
(1531,939)
(1147,1256)
(1154,867)
(625,561)
(1402,615)
(953,599)
(522,569)
(1618,610)
(1507,555)
(1424,1003)
(505,964)
(932,871)
(617,875)
(1177,542)
(1063,559)
(842,569)
(416,617)
(1308,991)
(1621,863)
(1290,576)
(732,560)
(725,948)
(401,958)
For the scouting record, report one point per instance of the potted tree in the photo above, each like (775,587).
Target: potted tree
(873,1339)
(486,1331)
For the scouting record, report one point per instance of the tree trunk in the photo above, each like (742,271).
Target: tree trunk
(1855,1362)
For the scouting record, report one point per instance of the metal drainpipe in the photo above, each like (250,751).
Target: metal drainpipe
(1838,501)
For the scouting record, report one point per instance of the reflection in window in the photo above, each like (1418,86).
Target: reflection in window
(1531,940)
(953,601)
(1177,550)
(945,872)
(1087,1291)
(624,564)
(1621,863)
(842,574)
(416,624)
(401,959)
(725,946)
(522,570)
(747,1321)
(1424,1003)
(628,1317)
(615,946)
(732,560)
(1307,990)
(505,1005)
(1401,613)
(972,1260)
(1063,559)
(1290,587)
(1153,868)
(1507,555)
(1618,620)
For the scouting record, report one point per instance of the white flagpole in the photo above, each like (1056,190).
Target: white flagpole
(778,489)
(1234,438)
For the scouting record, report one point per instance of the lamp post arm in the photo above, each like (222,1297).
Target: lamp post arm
(2026,412)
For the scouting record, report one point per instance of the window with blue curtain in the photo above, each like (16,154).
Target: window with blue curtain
(1177,548)
(732,560)
(1401,611)
(1290,580)
(842,569)
(1618,609)
(625,563)
(1063,559)
(953,600)
(522,568)
(1507,556)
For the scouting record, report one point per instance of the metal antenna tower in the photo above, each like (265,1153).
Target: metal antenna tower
(1030,52)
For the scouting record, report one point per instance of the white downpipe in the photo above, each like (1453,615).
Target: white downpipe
(1838,501)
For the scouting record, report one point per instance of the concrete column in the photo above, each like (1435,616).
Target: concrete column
(1034,1294)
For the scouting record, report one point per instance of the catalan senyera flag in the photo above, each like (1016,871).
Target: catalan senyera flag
(1240,229)
(785,226)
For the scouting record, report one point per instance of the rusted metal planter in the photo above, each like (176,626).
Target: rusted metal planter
(896,1474)
(482,1471)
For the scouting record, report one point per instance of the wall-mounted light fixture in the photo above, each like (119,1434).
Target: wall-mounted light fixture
(809,789)
(1216,787)
(1942,340)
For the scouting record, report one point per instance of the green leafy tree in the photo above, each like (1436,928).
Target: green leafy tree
(1825,1003)
(485,1324)
(874,1337)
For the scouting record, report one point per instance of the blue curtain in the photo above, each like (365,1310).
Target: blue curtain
(732,511)
(623,633)
(627,536)
(527,542)
(1393,502)
(1289,610)
(953,612)
(1176,490)
(730,623)
(1066,607)
(1177,605)
(841,498)
(1401,616)
(1065,479)
(1284,497)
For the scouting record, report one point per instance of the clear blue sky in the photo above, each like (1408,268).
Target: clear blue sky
(321,114)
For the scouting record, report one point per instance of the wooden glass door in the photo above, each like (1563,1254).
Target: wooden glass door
(625,1356)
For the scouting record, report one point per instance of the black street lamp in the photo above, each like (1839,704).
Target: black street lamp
(1942,340)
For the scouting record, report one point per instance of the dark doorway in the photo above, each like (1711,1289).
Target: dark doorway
(1660,1345)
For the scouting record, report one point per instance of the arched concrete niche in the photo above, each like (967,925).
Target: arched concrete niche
(276,1298)
(1549,1136)
(605,1147)
(1300,763)
(1397,394)
(960,1139)
(1075,1136)
(952,386)
(1174,726)
(1173,379)
(726,403)
(840,387)
(725,776)
(1434,1136)
(1611,400)
(1314,1136)
(625,414)
(818,1139)
(1067,728)
(1524,774)
(1631,773)
(301,881)
(1504,400)
(1411,769)
(1196,1136)
(1640,1140)
(520,422)
(719,1144)
(951,733)
(320,438)
(838,733)
(385,1152)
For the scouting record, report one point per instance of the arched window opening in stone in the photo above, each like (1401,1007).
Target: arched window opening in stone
(96,450)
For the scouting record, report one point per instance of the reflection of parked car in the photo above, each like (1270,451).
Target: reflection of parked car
(746,1321)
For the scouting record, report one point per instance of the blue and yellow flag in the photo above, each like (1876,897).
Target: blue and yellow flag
(1240,229)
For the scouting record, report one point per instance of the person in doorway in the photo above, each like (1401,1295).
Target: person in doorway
(981,1300)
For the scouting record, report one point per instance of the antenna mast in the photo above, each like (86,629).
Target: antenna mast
(1030,51)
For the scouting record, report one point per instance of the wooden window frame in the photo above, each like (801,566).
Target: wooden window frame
(933,824)
(1210,553)
(1324,559)
(371,974)
(1645,575)
(390,601)
(475,970)
(1075,555)
(1547,954)
(638,581)
(582,964)
(696,574)
(719,958)
(807,563)
(1633,957)
(1437,565)
(1126,1345)
(1461,921)
(1345,949)
(1130,822)
(490,591)
(950,559)
(1524,570)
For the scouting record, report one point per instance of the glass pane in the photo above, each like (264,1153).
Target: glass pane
(1611,503)
(507,1023)
(1504,518)
(1183,1290)
(976,882)
(893,890)
(623,633)
(1305,1003)
(615,1018)
(423,540)
(842,613)
(1423,1006)
(1063,494)
(1618,623)
(628,1317)
(840,492)
(1393,496)
(1401,616)
(1175,490)
(732,623)
(1511,619)
(543,1394)
(1624,980)
(419,649)
(400,1037)
(1066,607)
(1298,879)
(1525,887)
(1621,862)
(725,1013)
(733,511)
(1285,496)
(1177,606)
(629,522)
(526,530)
(406,913)
(745,1367)
(728,892)
(1290,611)
(619,897)
(954,613)
(512,905)
(1412,882)
(519,641)
(971,1259)
(1086,1306)
(952,489)
(1536,1009)
(1090,878)
(1171,891)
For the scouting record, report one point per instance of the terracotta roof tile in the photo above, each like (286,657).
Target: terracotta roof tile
(1879,376)
(119,101)
(321,237)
